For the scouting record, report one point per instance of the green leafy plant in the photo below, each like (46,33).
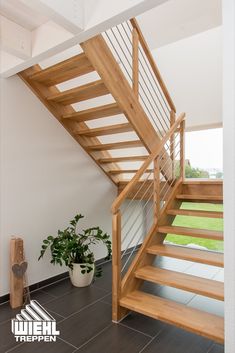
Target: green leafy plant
(70,246)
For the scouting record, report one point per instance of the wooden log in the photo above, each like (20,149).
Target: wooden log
(16,281)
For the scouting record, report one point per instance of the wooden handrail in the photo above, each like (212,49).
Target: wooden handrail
(121,197)
(153,64)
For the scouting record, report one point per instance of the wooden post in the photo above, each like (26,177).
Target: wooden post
(182,149)
(135,61)
(172,143)
(16,282)
(116,266)
(156,185)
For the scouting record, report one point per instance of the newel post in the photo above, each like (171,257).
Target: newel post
(172,143)
(182,149)
(116,266)
(157,187)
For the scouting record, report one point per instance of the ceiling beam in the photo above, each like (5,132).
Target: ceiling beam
(15,39)
(138,7)
(67,14)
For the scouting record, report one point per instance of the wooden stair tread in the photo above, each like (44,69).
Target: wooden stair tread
(106,130)
(195,213)
(73,67)
(128,171)
(200,197)
(194,284)
(81,93)
(194,320)
(122,159)
(115,145)
(196,181)
(185,253)
(102,111)
(192,232)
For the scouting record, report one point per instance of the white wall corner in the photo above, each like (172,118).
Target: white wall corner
(15,39)
(67,14)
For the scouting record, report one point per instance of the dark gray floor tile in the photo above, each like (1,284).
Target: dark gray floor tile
(104,282)
(116,339)
(143,324)
(175,340)
(84,325)
(74,301)
(60,288)
(44,347)
(107,299)
(41,296)
(7,340)
(6,313)
(216,348)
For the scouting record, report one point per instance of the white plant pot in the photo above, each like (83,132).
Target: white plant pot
(79,279)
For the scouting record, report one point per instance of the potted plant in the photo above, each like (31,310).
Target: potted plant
(73,249)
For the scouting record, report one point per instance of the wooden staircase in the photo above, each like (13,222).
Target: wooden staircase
(142,269)
(133,135)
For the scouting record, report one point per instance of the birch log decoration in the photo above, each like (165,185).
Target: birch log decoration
(18,267)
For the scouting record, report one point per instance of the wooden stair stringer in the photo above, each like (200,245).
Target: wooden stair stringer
(102,59)
(58,110)
(143,258)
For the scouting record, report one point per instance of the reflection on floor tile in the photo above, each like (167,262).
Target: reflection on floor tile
(209,305)
(219,276)
(216,348)
(175,340)
(172,264)
(202,270)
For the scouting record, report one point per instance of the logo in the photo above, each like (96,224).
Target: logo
(34,323)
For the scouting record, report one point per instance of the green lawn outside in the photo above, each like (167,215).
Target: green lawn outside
(198,222)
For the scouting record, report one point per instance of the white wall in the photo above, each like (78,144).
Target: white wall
(192,70)
(229,170)
(46,178)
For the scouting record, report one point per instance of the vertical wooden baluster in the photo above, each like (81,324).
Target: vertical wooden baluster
(116,266)
(172,143)
(135,61)
(157,186)
(182,149)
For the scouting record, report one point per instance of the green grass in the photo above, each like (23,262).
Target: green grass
(198,222)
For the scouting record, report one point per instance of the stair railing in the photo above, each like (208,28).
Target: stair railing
(131,51)
(140,204)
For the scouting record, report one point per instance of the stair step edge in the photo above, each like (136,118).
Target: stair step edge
(188,254)
(201,286)
(193,320)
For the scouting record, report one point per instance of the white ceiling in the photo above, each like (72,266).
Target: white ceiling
(178,19)
(21,14)
(162,24)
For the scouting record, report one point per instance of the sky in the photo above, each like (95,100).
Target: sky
(204,148)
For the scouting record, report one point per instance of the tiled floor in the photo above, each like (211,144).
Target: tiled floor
(84,319)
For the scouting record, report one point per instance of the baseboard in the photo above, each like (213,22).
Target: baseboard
(46,282)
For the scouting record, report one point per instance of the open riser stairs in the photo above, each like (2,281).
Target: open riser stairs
(112,100)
